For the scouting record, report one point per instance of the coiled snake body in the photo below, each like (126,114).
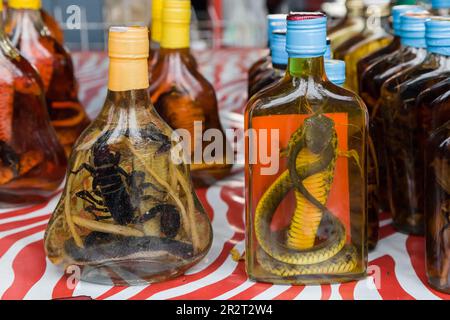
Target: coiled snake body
(312,155)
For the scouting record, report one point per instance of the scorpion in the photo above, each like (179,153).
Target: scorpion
(312,155)
(116,192)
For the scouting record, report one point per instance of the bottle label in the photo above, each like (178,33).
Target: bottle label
(272,135)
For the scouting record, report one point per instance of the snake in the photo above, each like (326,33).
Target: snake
(312,155)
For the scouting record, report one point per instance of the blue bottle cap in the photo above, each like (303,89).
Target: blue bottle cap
(275,22)
(327,54)
(335,70)
(440,4)
(306,34)
(437,33)
(413,29)
(278,48)
(397,11)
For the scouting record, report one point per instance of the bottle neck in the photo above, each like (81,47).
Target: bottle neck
(135,98)
(307,68)
(128,74)
(355,9)
(24,19)
(377,17)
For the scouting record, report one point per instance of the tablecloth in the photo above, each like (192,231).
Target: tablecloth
(396,267)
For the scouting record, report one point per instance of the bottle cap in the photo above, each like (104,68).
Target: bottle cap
(157,9)
(335,70)
(440,4)
(128,43)
(176,19)
(412,29)
(25,4)
(278,48)
(437,33)
(306,34)
(128,51)
(397,11)
(368,3)
(275,22)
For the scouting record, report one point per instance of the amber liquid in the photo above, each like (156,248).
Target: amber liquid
(53,26)
(405,160)
(182,96)
(265,79)
(55,67)
(437,204)
(32,161)
(314,95)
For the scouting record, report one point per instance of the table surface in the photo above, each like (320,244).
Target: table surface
(397,265)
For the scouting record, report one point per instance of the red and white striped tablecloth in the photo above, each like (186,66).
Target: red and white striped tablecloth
(397,265)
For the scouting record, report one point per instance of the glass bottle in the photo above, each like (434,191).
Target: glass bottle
(351,25)
(32,162)
(440,8)
(402,117)
(279,59)
(185,99)
(373,37)
(54,64)
(437,112)
(306,180)
(437,172)
(129,214)
(274,22)
(412,52)
(393,46)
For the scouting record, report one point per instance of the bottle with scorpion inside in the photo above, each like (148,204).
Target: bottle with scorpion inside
(437,209)
(32,161)
(128,214)
(306,173)
(186,100)
(31,36)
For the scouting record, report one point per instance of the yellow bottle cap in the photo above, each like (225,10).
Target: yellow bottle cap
(1,6)
(25,4)
(128,51)
(176,20)
(157,10)
(128,42)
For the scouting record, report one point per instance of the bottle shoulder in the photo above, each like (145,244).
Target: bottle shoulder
(174,72)
(286,97)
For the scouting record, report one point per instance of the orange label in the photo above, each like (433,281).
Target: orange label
(285,126)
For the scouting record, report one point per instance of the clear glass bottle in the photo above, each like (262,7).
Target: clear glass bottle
(412,52)
(317,133)
(274,22)
(365,63)
(437,216)
(402,118)
(32,162)
(376,35)
(351,25)
(279,59)
(28,33)
(184,98)
(129,214)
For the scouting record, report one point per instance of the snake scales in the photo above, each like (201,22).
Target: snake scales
(312,155)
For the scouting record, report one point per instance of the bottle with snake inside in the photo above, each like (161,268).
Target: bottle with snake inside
(32,161)
(29,33)
(129,214)
(306,175)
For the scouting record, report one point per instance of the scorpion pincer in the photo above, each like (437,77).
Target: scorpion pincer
(118,193)
(312,153)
